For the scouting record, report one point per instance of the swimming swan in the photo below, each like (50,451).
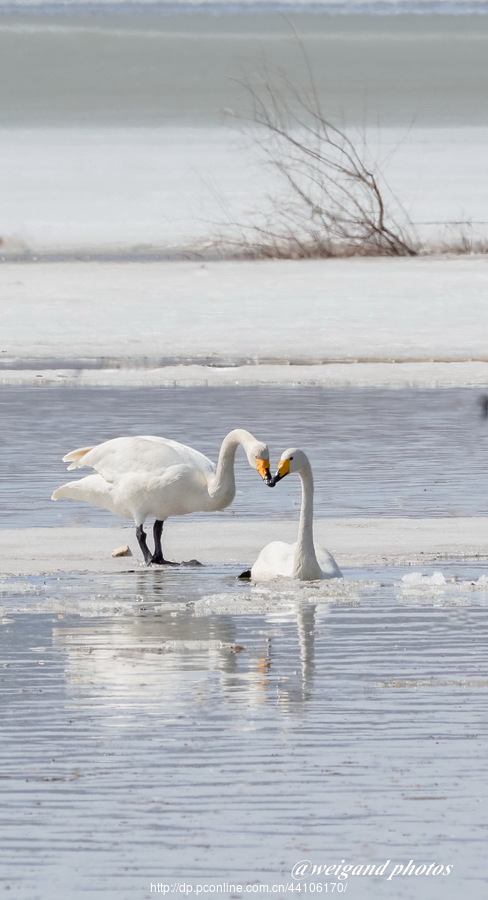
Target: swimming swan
(300,560)
(146,476)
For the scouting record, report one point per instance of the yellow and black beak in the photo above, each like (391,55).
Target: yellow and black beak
(262,465)
(283,469)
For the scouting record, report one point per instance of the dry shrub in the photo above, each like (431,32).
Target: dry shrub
(334,204)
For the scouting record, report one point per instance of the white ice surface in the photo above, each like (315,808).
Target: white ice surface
(314,318)
(112,189)
(389,375)
(353,542)
(127,191)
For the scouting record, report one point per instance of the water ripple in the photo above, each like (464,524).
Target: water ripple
(224,729)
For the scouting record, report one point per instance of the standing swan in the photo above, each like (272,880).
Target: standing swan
(300,560)
(146,476)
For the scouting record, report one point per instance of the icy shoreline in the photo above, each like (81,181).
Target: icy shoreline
(354,375)
(358,541)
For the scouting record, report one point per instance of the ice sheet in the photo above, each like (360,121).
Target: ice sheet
(160,190)
(356,541)
(139,318)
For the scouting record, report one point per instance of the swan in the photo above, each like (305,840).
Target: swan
(143,476)
(300,560)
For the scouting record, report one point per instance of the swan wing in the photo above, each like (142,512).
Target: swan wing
(178,491)
(91,489)
(75,455)
(278,560)
(143,453)
(275,561)
(327,563)
(136,495)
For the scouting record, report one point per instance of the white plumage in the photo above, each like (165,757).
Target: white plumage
(139,477)
(301,560)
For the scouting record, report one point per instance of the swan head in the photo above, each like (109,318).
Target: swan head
(258,458)
(292,460)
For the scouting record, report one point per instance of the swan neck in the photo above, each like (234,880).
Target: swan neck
(305,550)
(223,487)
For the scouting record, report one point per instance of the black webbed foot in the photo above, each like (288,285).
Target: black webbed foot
(157,560)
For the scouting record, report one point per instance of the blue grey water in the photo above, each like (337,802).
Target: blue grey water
(345,7)
(374,452)
(183,730)
(157,65)
(180,728)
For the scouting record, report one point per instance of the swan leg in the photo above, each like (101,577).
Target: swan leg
(157,556)
(141,537)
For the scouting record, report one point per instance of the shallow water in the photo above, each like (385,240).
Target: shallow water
(181,727)
(374,452)
(186,729)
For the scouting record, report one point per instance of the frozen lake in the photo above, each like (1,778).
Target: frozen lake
(374,452)
(179,731)
(181,727)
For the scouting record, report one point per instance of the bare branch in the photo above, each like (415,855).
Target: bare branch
(336,197)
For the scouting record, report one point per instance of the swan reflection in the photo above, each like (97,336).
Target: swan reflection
(166,660)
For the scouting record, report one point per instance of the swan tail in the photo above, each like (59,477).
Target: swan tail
(92,489)
(75,457)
